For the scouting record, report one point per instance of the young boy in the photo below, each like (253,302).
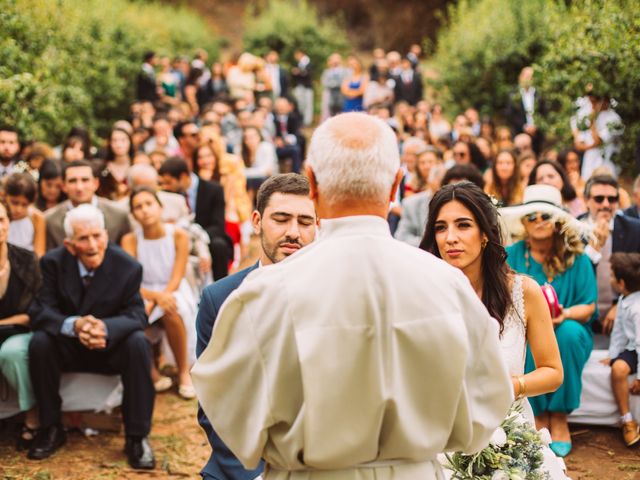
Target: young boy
(624,349)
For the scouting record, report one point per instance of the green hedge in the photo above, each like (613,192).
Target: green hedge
(597,43)
(483,46)
(287,25)
(74,62)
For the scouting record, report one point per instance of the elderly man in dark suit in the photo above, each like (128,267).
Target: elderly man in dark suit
(80,184)
(89,316)
(206,200)
(285,220)
(614,232)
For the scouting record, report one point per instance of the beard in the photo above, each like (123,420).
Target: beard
(271,250)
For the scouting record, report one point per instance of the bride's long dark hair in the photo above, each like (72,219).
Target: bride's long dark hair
(496,294)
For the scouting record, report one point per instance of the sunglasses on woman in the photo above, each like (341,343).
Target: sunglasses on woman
(532,217)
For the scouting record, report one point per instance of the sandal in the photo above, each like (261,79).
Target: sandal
(187,392)
(162,384)
(25,439)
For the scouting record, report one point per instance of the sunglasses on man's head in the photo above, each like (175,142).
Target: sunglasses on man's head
(532,217)
(610,198)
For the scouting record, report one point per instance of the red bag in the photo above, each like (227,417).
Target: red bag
(552,299)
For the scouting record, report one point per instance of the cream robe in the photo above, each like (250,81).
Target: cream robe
(359,357)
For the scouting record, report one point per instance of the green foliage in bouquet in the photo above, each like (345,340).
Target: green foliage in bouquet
(74,62)
(285,26)
(514,453)
(596,42)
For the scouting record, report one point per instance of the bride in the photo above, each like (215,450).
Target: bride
(463,229)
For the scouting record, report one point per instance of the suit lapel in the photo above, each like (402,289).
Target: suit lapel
(617,243)
(72,282)
(200,201)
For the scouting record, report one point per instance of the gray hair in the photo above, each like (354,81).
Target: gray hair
(354,156)
(415,143)
(85,214)
(141,170)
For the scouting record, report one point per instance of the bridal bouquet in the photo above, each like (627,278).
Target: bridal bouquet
(514,453)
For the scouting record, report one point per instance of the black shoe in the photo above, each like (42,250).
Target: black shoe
(139,453)
(47,441)
(25,437)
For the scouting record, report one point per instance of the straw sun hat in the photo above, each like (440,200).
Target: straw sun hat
(542,199)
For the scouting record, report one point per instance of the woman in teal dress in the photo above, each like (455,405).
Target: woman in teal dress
(551,252)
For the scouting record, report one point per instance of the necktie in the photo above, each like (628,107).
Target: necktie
(86,281)
(186,197)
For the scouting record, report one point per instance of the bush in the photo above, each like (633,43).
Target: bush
(484,45)
(597,43)
(285,26)
(74,62)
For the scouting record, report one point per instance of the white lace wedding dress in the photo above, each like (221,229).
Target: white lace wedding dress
(514,347)
(513,343)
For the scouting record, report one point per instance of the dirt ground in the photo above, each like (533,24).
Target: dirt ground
(181,449)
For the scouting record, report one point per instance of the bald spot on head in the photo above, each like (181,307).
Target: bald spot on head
(355,131)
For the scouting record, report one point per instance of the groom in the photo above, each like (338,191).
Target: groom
(359,352)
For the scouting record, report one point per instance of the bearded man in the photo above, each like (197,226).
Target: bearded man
(285,221)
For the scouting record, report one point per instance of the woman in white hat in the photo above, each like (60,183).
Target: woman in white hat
(551,252)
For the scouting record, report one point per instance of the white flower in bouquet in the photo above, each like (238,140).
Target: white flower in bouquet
(500,475)
(545,436)
(499,437)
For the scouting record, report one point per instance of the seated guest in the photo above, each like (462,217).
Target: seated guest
(549,172)
(460,173)
(174,205)
(83,320)
(113,177)
(634,210)
(624,349)
(50,191)
(504,182)
(19,282)
(415,207)
(163,250)
(80,184)
(614,232)
(259,157)
(206,200)
(28,228)
(552,252)
(570,161)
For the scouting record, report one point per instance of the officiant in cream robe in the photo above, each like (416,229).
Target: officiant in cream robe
(358,357)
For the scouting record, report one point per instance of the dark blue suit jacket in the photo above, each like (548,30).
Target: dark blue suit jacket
(626,233)
(222,464)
